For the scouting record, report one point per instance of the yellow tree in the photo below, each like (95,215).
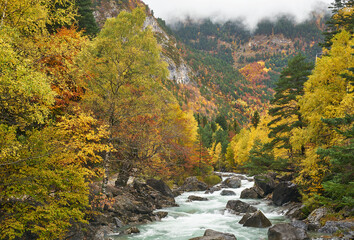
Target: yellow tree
(327,95)
(44,176)
(125,66)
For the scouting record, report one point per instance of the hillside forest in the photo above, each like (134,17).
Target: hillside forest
(84,102)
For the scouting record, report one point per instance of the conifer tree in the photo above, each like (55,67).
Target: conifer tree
(86,20)
(285,108)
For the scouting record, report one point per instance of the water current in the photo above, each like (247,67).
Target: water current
(191,219)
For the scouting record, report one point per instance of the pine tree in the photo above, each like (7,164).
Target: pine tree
(342,18)
(86,20)
(255,119)
(285,108)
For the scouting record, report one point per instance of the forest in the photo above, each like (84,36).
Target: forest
(81,103)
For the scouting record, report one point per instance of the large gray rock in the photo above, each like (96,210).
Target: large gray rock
(160,186)
(314,219)
(264,182)
(240,207)
(232,182)
(344,227)
(249,193)
(285,231)
(285,192)
(214,235)
(257,220)
(193,184)
(295,211)
(227,193)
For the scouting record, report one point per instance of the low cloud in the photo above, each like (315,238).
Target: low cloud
(251,11)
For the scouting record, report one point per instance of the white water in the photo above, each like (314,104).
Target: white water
(191,219)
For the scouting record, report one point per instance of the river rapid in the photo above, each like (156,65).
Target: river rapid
(191,219)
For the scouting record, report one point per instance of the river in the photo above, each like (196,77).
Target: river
(191,219)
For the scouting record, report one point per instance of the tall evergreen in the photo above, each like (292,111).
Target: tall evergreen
(284,104)
(86,20)
(341,19)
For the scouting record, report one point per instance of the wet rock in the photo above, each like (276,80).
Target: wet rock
(240,207)
(193,184)
(257,220)
(295,211)
(161,214)
(214,235)
(213,189)
(160,186)
(131,230)
(244,218)
(249,193)
(227,193)
(285,231)
(196,198)
(299,224)
(285,192)
(102,232)
(232,182)
(264,182)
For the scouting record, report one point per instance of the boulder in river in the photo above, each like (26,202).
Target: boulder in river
(240,207)
(244,218)
(264,182)
(160,186)
(213,189)
(285,231)
(257,220)
(295,211)
(232,182)
(215,235)
(193,184)
(131,230)
(227,193)
(285,192)
(196,198)
(249,193)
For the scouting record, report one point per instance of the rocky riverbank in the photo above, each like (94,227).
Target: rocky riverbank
(133,204)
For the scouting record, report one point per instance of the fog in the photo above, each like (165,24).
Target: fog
(250,11)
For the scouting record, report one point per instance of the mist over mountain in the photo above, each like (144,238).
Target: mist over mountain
(250,12)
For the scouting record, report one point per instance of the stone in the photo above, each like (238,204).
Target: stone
(227,193)
(161,214)
(240,207)
(196,198)
(244,218)
(285,231)
(295,211)
(160,186)
(232,182)
(248,193)
(264,182)
(285,192)
(210,234)
(131,230)
(118,222)
(213,189)
(315,217)
(257,220)
(344,227)
(193,184)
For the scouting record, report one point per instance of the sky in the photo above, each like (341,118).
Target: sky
(251,11)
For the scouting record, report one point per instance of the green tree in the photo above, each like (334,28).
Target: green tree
(285,109)
(342,18)
(85,18)
(255,119)
(338,185)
